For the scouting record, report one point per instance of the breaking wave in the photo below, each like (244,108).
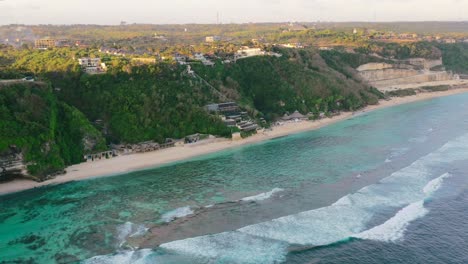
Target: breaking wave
(394,229)
(405,190)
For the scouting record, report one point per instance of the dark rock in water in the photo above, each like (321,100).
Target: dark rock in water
(32,241)
(65,258)
(20,261)
(5,216)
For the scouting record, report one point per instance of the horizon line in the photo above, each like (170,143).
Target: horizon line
(244,23)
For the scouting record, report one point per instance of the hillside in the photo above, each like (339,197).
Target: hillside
(299,80)
(52,126)
(40,132)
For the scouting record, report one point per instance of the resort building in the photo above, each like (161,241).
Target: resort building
(223,107)
(296,117)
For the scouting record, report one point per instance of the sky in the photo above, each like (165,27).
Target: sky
(110,12)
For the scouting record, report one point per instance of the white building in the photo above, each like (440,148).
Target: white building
(247,52)
(203,59)
(92,65)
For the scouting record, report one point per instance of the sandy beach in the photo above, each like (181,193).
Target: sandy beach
(125,164)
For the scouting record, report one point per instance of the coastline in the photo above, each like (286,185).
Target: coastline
(135,162)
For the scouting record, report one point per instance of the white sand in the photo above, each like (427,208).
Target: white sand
(125,164)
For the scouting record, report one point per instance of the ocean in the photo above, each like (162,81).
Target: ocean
(388,186)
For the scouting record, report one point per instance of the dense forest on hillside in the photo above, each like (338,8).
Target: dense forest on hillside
(299,80)
(50,133)
(70,113)
(455,57)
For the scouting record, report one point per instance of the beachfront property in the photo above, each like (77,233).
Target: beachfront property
(99,156)
(147,146)
(223,107)
(247,126)
(92,65)
(296,117)
(211,39)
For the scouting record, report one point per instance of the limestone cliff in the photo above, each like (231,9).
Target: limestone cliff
(385,76)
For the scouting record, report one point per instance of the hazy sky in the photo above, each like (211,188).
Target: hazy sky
(238,11)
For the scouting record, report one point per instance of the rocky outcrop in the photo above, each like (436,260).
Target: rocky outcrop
(12,164)
(424,77)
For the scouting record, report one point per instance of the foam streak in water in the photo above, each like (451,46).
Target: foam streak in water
(129,229)
(177,213)
(262,196)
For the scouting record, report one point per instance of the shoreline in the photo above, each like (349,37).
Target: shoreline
(130,163)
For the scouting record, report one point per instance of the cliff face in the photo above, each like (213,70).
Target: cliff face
(413,71)
(12,164)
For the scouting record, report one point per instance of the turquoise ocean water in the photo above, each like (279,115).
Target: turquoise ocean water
(371,189)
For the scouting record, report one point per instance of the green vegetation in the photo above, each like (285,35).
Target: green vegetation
(438,88)
(50,133)
(69,113)
(401,93)
(150,103)
(455,57)
(299,80)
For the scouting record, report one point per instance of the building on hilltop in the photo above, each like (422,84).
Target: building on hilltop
(92,65)
(203,59)
(49,43)
(211,39)
(246,52)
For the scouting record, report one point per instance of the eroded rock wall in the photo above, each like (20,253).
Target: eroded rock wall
(12,164)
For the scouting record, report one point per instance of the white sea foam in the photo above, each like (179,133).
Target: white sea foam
(122,257)
(406,188)
(435,184)
(127,230)
(262,196)
(231,247)
(388,160)
(393,230)
(177,213)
